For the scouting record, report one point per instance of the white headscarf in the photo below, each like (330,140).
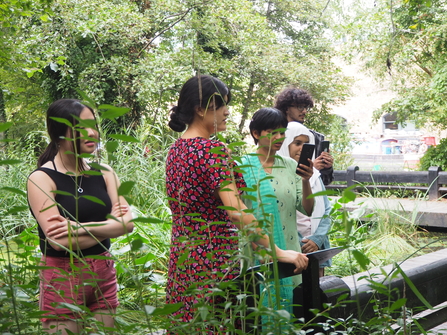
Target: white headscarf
(295,129)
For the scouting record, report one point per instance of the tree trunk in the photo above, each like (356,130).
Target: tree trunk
(247,104)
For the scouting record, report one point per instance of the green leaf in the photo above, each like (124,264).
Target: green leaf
(398,304)
(147,220)
(92,173)
(86,100)
(45,18)
(361,259)
(124,138)
(61,120)
(5,126)
(217,150)
(98,167)
(182,258)
(227,208)
(86,155)
(321,193)
(249,197)
(87,123)
(8,140)
(283,314)
(14,190)
(203,310)
(233,145)
(74,308)
(93,199)
(126,187)
(111,146)
(146,258)
(112,112)
(413,288)
(348,195)
(63,193)
(111,157)
(136,244)
(47,208)
(165,310)
(10,162)
(98,257)
(16,209)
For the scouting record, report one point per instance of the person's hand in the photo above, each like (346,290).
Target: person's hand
(119,210)
(323,161)
(308,246)
(304,171)
(290,256)
(61,227)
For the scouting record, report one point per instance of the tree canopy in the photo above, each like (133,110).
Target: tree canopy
(404,41)
(137,54)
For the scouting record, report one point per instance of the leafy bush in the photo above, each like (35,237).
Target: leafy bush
(341,144)
(141,257)
(435,156)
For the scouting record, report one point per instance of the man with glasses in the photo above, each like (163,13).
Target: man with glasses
(295,103)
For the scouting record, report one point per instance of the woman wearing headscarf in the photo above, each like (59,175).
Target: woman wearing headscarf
(312,230)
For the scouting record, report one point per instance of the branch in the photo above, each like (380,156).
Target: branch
(166,29)
(388,60)
(423,68)
(325,7)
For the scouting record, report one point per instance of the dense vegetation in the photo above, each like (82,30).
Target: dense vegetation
(141,257)
(135,55)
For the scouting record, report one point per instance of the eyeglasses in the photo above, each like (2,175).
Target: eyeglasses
(302,108)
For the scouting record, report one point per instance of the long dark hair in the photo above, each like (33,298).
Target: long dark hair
(197,92)
(64,109)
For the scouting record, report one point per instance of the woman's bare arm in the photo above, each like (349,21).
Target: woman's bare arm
(230,198)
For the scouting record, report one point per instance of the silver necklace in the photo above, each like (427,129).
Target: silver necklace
(80,189)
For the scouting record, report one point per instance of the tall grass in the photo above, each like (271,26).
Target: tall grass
(141,257)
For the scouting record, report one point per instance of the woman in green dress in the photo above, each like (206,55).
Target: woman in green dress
(273,181)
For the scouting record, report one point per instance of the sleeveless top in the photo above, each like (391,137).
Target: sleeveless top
(79,210)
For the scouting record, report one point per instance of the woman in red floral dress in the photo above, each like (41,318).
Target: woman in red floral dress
(200,180)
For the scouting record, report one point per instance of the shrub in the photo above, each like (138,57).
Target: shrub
(435,156)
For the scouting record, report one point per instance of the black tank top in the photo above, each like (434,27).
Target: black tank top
(85,211)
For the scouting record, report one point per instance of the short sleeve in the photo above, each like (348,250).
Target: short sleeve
(217,164)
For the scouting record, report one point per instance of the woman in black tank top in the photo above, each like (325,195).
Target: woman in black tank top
(71,226)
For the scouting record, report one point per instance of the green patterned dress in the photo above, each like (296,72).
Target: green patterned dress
(280,194)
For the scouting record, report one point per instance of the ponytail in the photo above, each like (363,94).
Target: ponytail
(48,155)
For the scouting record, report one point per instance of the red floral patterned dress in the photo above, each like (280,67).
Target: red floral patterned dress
(204,240)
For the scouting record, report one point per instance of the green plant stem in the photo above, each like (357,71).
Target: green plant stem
(11,286)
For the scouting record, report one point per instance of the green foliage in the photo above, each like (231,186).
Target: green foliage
(379,236)
(435,156)
(341,143)
(393,193)
(137,55)
(141,257)
(403,42)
